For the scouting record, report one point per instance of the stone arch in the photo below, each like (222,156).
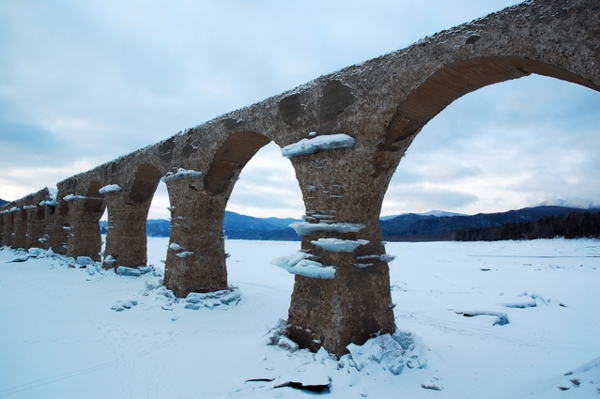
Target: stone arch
(231,158)
(144,185)
(94,201)
(458,79)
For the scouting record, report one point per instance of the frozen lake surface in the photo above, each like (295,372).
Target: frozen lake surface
(508,319)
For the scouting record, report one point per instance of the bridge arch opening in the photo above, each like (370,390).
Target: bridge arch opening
(266,188)
(231,158)
(457,79)
(458,164)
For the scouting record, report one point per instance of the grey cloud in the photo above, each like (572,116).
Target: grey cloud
(415,198)
(108,78)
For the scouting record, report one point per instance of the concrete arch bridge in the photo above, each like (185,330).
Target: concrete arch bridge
(344,133)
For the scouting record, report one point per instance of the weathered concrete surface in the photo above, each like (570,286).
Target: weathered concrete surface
(36,218)
(1,230)
(82,210)
(8,226)
(382,104)
(126,235)
(128,208)
(19,238)
(57,226)
(196,256)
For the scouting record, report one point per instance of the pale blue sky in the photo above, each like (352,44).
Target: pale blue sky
(83,82)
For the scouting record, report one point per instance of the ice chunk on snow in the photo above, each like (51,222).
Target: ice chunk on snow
(84,261)
(35,252)
(338,245)
(111,188)
(299,264)
(319,143)
(287,344)
(313,377)
(128,271)
(415,352)
(433,384)
(501,318)
(181,173)
(519,305)
(382,350)
(209,300)
(305,228)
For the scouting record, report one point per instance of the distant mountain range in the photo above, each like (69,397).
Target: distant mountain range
(429,226)
(2,202)
(414,227)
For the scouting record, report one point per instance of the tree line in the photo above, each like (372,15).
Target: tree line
(573,225)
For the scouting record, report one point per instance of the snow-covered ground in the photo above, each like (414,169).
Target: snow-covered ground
(535,307)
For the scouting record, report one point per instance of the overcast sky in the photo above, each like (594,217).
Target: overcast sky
(83,82)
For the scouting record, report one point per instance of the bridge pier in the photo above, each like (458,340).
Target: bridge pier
(128,204)
(56,220)
(84,237)
(1,230)
(126,240)
(7,232)
(36,216)
(343,191)
(20,228)
(196,254)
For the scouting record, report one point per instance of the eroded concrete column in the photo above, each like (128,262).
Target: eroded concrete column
(36,224)
(196,255)
(7,232)
(128,205)
(1,230)
(57,227)
(20,228)
(343,191)
(126,241)
(84,237)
